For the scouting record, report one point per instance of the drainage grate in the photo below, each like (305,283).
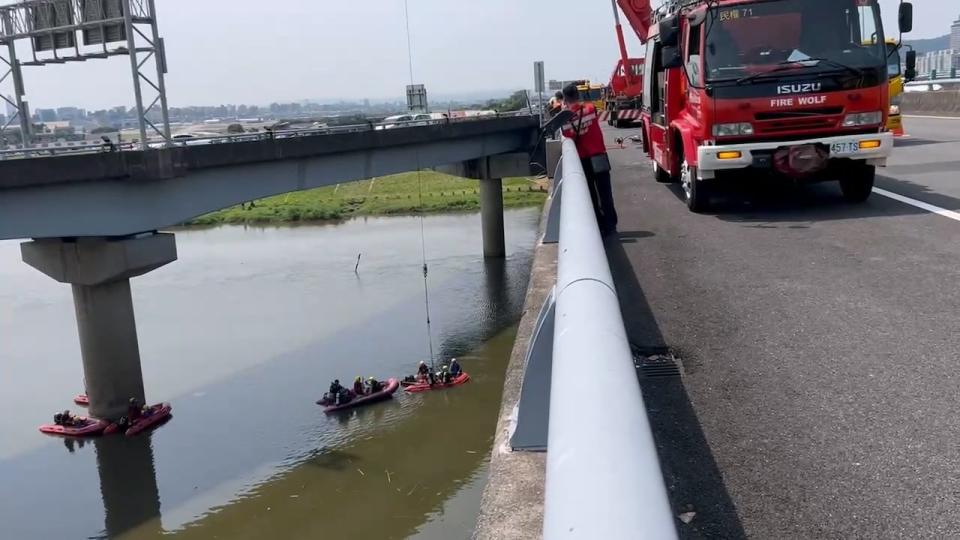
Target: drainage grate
(656,362)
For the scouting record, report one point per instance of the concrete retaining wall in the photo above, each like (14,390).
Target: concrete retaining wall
(512,506)
(945,103)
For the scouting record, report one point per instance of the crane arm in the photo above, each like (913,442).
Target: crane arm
(638,13)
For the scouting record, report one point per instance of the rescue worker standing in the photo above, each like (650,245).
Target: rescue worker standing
(584,129)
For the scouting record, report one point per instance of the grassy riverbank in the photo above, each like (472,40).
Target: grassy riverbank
(397,194)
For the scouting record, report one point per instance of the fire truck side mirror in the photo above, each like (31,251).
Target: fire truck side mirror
(670,57)
(906,17)
(910,73)
(696,19)
(670,31)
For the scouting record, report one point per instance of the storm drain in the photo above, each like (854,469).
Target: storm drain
(656,362)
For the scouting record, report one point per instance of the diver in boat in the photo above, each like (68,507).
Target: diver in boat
(445,375)
(358,386)
(455,369)
(423,371)
(336,389)
(134,410)
(65,419)
(374,385)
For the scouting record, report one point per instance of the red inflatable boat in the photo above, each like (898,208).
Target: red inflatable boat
(386,393)
(87,427)
(82,400)
(425,386)
(157,415)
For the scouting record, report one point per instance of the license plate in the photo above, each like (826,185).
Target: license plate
(844,148)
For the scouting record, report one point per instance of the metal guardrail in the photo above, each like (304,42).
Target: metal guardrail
(56,149)
(603,477)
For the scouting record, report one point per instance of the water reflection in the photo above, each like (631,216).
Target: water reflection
(242,335)
(128,484)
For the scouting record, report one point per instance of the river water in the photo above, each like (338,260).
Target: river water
(242,335)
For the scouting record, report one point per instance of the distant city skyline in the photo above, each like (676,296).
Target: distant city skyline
(241,52)
(955,35)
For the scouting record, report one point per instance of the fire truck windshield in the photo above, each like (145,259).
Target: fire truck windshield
(749,39)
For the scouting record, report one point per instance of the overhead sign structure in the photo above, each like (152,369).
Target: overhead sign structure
(417,97)
(52,27)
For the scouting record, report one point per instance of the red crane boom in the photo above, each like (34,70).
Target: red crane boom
(638,13)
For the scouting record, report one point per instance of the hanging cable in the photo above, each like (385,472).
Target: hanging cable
(423,252)
(406,12)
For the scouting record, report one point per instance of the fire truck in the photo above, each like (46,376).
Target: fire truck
(775,88)
(623,101)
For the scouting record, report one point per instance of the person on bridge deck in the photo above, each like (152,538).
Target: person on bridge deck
(584,129)
(555,105)
(455,368)
(358,385)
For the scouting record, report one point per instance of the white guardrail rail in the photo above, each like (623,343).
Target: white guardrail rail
(62,148)
(603,478)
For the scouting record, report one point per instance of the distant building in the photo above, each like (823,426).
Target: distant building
(47,115)
(955,35)
(938,64)
(71,114)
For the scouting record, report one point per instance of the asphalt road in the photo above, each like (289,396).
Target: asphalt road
(819,345)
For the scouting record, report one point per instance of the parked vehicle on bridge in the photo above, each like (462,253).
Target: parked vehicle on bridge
(788,88)
(411,120)
(897,81)
(593,92)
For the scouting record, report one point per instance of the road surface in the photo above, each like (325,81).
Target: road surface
(819,347)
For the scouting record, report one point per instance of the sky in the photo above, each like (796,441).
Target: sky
(258,52)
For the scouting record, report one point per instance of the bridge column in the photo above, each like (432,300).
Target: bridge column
(491,218)
(99,270)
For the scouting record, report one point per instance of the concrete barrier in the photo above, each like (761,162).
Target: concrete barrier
(945,103)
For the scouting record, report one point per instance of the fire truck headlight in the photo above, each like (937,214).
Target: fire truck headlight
(863,119)
(732,130)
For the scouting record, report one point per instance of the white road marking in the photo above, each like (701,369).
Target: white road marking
(933,117)
(919,204)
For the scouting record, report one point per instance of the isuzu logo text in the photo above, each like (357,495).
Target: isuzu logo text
(801,88)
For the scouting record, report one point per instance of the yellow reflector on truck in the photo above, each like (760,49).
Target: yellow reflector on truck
(866,145)
(733,154)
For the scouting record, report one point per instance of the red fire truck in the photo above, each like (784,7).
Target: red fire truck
(623,97)
(788,88)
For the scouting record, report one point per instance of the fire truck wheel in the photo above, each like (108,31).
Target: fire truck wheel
(857,184)
(697,192)
(661,175)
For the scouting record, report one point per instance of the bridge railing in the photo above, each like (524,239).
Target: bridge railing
(603,477)
(61,148)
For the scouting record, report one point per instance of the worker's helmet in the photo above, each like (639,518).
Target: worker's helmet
(370,379)
(133,401)
(358,379)
(422,363)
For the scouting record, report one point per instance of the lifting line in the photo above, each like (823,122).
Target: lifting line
(423,251)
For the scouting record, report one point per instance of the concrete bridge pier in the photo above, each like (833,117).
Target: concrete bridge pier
(491,218)
(99,270)
(491,171)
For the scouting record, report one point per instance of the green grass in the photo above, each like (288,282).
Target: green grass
(397,194)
